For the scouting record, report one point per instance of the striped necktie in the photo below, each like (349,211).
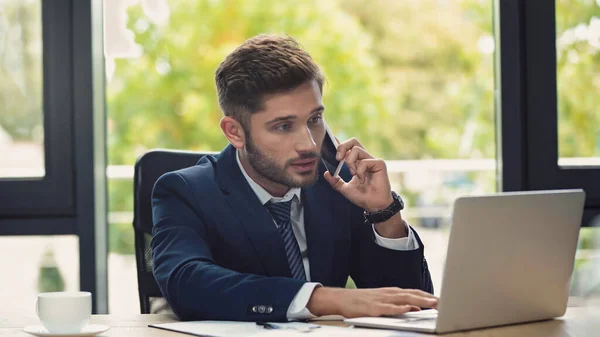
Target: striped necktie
(280,211)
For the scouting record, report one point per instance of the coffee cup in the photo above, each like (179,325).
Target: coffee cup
(64,312)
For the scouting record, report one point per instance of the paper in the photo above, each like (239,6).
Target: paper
(239,329)
(214,328)
(235,329)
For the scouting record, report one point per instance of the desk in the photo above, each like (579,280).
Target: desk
(579,322)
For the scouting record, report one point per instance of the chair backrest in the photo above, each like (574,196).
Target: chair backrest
(148,168)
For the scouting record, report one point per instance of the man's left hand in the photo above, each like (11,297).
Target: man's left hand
(369,187)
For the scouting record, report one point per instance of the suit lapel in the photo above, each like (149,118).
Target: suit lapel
(255,221)
(319,224)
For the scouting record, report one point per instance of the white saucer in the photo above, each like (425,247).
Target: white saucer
(88,330)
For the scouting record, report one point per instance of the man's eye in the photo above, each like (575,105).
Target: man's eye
(283,127)
(316,119)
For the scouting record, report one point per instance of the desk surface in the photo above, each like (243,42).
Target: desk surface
(578,321)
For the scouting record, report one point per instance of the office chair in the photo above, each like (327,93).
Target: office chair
(148,168)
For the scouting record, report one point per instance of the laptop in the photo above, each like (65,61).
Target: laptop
(510,258)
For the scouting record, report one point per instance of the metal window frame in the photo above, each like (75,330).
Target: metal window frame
(527,115)
(51,195)
(71,199)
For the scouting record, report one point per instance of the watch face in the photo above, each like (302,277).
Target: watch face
(397,197)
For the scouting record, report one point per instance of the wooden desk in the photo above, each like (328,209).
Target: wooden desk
(578,322)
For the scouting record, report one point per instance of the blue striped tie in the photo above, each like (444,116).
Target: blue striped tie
(280,211)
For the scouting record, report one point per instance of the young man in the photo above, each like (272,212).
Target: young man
(261,231)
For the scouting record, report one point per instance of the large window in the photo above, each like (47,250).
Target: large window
(578,81)
(51,151)
(578,88)
(34,264)
(413,80)
(21,122)
(36,158)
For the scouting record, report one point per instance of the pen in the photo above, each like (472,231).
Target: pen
(267,325)
(291,326)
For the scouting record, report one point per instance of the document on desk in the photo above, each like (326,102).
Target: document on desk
(239,329)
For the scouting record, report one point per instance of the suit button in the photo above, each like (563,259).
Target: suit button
(255,309)
(261,309)
(269,309)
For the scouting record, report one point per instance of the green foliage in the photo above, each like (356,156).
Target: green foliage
(21,70)
(439,85)
(410,79)
(167,98)
(350,284)
(578,78)
(121,238)
(50,278)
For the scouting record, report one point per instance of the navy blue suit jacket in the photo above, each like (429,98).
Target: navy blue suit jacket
(217,253)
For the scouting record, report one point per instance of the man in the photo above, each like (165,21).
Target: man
(260,231)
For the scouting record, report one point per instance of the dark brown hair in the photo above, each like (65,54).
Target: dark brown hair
(262,65)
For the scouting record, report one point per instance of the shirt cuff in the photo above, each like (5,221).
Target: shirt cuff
(297,309)
(406,243)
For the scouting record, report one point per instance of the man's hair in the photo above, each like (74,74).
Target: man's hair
(262,65)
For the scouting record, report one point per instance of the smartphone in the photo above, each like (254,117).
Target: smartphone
(328,152)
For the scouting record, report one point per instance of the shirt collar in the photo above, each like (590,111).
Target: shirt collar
(261,193)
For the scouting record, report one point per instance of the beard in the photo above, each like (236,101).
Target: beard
(267,167)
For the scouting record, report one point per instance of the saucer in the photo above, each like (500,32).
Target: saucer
(88,330)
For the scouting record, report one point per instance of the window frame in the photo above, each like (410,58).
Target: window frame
(527,110)
(52,194)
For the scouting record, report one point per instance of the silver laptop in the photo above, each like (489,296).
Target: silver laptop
(510,258)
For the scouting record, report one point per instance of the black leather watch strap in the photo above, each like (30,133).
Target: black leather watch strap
(385,214)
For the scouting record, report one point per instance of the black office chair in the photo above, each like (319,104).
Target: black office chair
(148,168)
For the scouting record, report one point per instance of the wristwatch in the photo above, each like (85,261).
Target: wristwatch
(385,214)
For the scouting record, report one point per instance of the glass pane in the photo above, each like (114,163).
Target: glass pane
(585,283)
(21,89)
(34,264)
(578,77)
(419,74)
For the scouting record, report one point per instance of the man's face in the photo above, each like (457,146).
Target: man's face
(284,145)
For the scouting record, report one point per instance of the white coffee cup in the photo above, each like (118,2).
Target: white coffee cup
(64,312)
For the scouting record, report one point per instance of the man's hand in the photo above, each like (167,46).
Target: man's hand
(368,302)
(369,187)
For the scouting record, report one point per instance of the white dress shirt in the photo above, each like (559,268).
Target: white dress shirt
(297,309)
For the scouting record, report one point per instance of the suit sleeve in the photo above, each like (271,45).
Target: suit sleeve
(196,287)
(374,266)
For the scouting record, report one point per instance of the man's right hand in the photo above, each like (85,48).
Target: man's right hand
(368,302)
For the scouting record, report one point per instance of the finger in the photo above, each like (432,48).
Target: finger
(346,146)
(368,166)
(336,182)
(419,293)
(410,299)
(414,308)
(387,309)
(356,154)
(396,290)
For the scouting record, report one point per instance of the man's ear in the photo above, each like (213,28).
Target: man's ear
(232,129)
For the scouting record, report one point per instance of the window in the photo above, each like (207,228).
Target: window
(37,264)
(35,111)
(21,90)
(578,81)
(413,80)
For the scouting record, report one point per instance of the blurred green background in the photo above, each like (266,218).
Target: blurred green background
(412,79)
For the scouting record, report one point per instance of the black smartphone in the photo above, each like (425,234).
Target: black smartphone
(328,152)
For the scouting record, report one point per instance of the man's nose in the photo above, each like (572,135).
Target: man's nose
(306,141)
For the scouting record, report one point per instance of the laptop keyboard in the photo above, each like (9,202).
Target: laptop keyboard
(414,321)
(420,318)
